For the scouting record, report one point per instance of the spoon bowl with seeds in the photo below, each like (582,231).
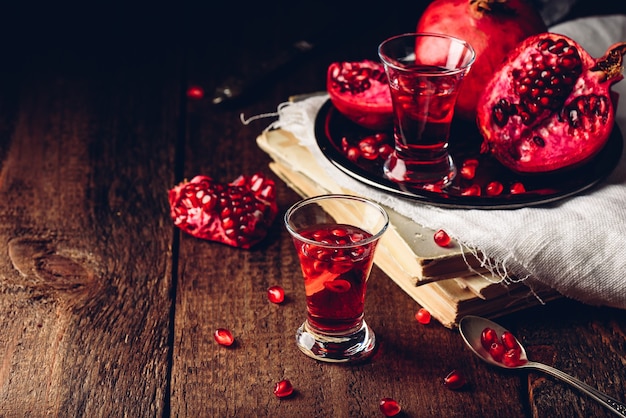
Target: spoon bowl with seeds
(497,346)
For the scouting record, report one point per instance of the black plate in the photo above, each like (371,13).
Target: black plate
(331,127)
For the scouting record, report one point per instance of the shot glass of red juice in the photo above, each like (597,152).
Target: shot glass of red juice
(335,237)
(425,72)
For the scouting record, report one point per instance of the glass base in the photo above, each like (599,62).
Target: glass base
(354,347)
(439,172)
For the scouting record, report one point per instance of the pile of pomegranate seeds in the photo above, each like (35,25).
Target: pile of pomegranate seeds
(283,389)
(389,407)
(504,349)
(276,294)
(423,316)
(455,380)
(370,147)
(442,238)
(224,337)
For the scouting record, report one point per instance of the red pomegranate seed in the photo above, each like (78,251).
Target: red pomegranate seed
(276,294)
(224,337)
(345,144)
(353,154)
(283,388)
(517,188)
(473,190)
(468,169)
(195,92)
(369,148)
(488,337)
(494,188)
(442,238)
(509,341)
(423,316)
(454,380)
(389,407)
(511,357)
(497,350)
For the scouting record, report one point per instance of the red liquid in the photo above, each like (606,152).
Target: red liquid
(335,279)
(423,107)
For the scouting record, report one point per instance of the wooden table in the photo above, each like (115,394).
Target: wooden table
(108,310)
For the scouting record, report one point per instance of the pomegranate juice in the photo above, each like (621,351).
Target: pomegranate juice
(335,275)
(423,105)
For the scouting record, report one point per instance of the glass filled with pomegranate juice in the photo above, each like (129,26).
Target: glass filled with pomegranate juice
(424,72)
(335,237)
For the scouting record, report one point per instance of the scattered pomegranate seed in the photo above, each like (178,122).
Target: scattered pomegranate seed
(283,388)
(195,92)
(454,380)
(276,294)
(468,168)
(385,150)
(517,188)
(224,337)
(442,238)
(494,188)
(423,316)
(389,407)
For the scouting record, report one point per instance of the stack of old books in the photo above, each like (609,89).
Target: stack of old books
(449,282)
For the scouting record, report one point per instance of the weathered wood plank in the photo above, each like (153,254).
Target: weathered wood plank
(85,239)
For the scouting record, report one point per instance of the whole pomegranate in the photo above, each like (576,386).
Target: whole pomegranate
(360,91)
(492,27)
(549,106)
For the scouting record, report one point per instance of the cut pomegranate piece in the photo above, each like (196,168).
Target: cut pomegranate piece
(455,380)
(549,105)
(283,389)
(423,316)
(276,294)
(389,407)
(237,214)
(224,337)
(359,90)
(442,238)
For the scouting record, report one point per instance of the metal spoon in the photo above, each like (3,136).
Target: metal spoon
(471,328)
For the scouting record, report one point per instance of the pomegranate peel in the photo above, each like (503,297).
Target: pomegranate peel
(360,91)
(549,106)
(238,214)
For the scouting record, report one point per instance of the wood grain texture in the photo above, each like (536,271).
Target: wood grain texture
(107,310)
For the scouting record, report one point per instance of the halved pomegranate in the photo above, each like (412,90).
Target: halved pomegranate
(549,106)
(359,90)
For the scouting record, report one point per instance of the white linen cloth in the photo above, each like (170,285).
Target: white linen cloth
(576,246)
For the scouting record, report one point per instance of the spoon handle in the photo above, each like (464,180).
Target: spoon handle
(612,404)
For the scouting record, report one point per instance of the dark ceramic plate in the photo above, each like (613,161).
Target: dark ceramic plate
(331,127)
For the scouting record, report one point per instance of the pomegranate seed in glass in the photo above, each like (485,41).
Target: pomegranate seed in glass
(335,237)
